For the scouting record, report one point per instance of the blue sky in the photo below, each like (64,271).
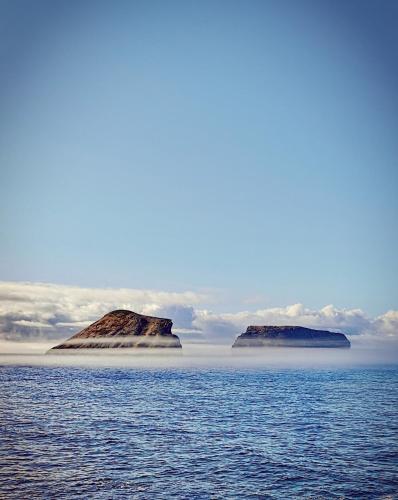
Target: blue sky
(244,147)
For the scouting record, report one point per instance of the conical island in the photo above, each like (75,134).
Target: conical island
(289,336)
(124,329)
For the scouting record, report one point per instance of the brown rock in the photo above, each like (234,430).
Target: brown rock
(289,336)
(121,329)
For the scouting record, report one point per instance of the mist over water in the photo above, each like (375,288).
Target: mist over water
(205,421)
(200,356)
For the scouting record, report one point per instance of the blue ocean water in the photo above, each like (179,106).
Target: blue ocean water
(113,433)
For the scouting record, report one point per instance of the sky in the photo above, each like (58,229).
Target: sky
(244,152)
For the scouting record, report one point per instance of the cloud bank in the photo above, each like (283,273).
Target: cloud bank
(34,311)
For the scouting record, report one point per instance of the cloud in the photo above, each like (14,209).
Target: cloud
(49,311)
(388,323)
(183,316)
(45,310)
(353,322)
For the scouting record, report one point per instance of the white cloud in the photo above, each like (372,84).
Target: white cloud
(388,323)
(49,310)
(31,324)
(42,310)
(353,322)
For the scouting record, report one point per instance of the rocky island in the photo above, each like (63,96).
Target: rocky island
(124,329)
(290,336)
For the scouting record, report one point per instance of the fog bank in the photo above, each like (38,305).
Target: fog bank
(199,356)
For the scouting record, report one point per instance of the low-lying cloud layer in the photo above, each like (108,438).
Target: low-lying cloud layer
(48,311)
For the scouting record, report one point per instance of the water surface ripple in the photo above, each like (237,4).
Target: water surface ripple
(73,432)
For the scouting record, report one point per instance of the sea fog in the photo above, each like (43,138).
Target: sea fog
(201,356)
(201,422)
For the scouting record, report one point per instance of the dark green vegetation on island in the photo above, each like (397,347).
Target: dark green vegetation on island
(290,336)
(124,329)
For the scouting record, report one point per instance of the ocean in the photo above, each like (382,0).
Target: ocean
(113,429)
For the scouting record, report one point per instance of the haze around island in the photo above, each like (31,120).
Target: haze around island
(216,165)
(37,316)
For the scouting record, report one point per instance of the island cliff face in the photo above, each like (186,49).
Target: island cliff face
(289,336)
(123,329)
